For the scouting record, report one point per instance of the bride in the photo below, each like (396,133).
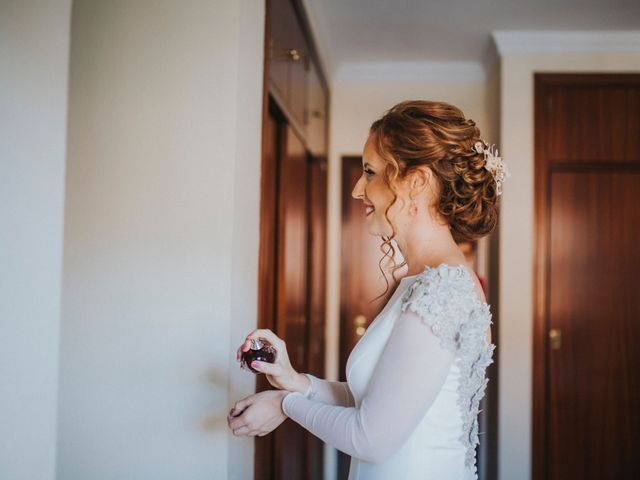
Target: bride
(409,407)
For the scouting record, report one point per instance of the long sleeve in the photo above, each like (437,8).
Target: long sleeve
(409,375)
(326,391)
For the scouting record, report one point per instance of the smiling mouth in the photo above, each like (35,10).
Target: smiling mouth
(369,210)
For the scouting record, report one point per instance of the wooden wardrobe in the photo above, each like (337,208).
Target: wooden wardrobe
(293,224)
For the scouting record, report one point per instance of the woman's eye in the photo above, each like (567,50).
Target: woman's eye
(368,172)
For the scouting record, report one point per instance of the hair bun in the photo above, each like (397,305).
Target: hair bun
(415,133)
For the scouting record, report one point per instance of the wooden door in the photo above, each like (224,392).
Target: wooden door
(292,284)
(279,43)
(316,114)
(317,208)
(291,316)
(587,309)
(288,59)
(292,273)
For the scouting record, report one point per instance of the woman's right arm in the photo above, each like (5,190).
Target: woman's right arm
(327,391)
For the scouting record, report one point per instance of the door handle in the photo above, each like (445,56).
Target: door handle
(293,54)
(555,338)
(360,321)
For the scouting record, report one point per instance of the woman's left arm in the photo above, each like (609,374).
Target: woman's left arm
(407,378)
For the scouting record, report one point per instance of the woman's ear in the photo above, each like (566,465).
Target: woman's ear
(420,178)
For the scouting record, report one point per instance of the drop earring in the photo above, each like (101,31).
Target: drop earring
(413,208)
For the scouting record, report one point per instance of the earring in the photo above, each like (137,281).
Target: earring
(413,208)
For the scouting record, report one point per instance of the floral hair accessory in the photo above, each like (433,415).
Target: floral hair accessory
(493,163)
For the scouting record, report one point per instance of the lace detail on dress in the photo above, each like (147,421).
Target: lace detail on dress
(446,301)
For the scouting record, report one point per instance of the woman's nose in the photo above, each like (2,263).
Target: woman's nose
(357,190)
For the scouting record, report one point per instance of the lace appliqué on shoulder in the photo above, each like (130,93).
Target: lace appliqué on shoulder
(446,301)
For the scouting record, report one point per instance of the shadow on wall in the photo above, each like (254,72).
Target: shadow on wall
(217,420)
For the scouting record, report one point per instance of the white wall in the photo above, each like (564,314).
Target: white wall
(161,237)
(516,238)
(355,104)
(34,48)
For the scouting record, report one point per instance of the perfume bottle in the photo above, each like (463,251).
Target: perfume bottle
(261,351)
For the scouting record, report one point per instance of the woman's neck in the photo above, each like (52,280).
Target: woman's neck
(429,245)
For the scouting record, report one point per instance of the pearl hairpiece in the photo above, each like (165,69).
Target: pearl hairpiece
(493,163)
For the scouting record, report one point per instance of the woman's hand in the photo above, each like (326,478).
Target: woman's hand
(280,373)
(257,414)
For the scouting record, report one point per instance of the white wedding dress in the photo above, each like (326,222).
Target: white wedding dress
(409,407)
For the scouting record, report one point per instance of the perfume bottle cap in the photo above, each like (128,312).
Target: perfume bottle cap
(256,344)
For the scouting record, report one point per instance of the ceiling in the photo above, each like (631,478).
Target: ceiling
(374,32)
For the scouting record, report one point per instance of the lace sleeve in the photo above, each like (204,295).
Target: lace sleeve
(403,386)
(441,299)
(445,300)
(402,389)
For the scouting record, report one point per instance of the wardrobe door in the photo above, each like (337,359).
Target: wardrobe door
(273,134)
(288,60)
(280,17)
(291,316)
(299,65)
(293,225)
(316,114)
(317,291)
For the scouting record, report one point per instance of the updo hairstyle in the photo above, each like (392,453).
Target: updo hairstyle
(418,133)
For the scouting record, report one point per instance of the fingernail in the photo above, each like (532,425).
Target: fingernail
(255,364)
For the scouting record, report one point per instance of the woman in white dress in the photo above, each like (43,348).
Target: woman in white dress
(409,407)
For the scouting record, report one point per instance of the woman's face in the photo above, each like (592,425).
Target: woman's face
(375,194)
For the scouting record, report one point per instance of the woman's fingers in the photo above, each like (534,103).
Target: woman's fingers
(267,368)
(243,430)
(241,405)
(245,346)
(246,431)
(237,422)
(265,333)
(240,425)
(261,418)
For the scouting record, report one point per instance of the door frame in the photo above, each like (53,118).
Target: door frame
(541,267)
(540,273)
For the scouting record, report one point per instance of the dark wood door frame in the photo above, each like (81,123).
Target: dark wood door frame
(541,188)
(281,16)
(264,466)
(543,168)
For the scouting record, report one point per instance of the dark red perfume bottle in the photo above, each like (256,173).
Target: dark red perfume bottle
(261,351)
